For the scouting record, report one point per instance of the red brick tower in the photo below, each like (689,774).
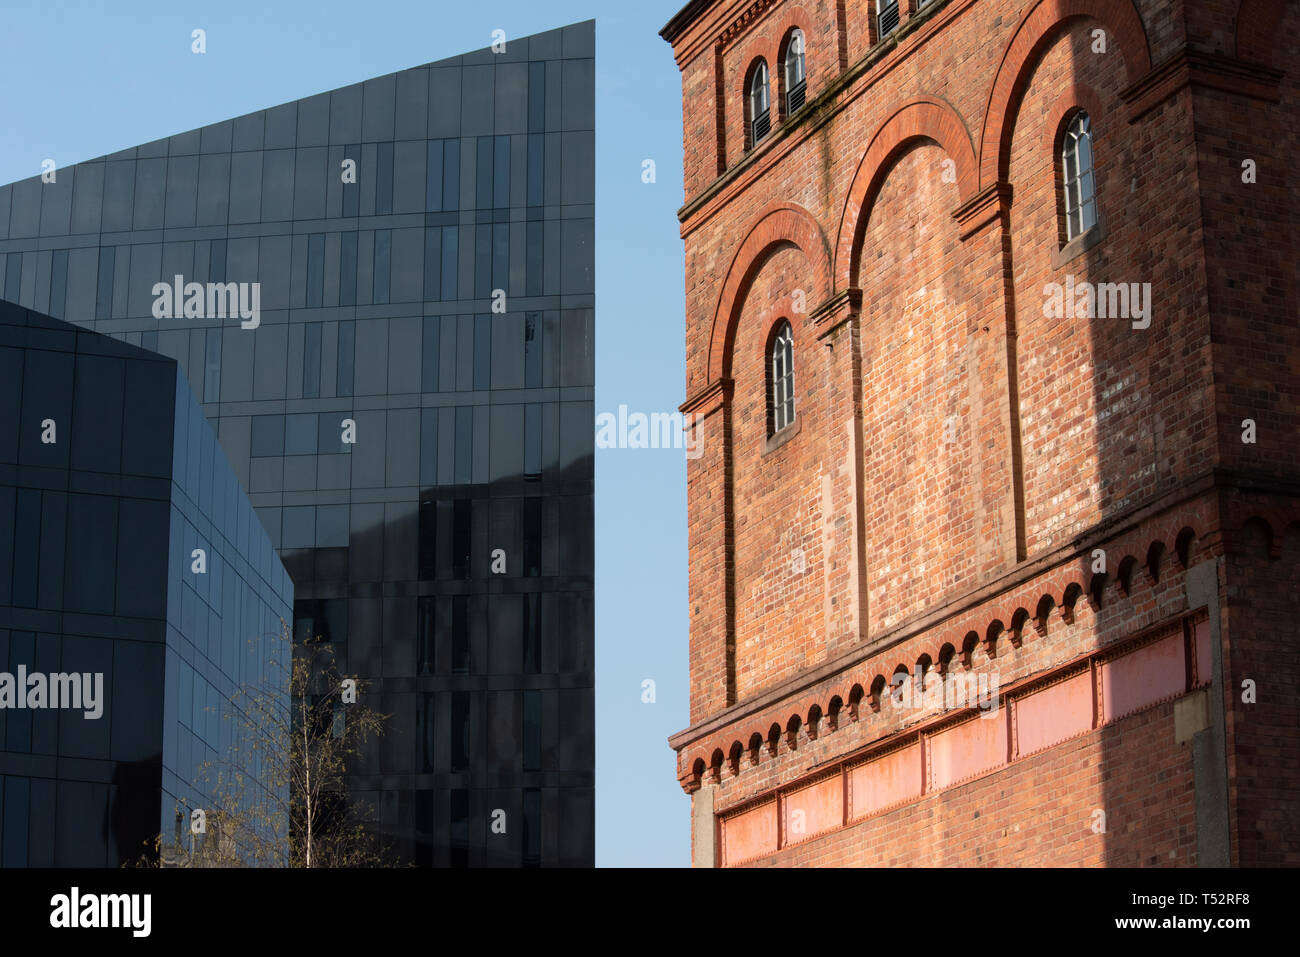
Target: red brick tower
(993,340)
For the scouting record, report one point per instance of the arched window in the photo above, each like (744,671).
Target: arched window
(1077,181)
(795,85)
(780,386)
(760,117)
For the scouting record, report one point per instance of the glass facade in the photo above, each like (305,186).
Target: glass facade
(110,479)
(411,412)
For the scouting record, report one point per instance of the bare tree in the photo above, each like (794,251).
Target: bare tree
(279,797)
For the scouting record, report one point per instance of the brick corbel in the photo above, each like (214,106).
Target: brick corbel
(708,399)
(840,308)
(989,205)
(1215,71)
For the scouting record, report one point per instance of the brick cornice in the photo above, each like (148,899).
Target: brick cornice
(835,311)
(1210,70)
(707,400)
(959,604)
(989,205)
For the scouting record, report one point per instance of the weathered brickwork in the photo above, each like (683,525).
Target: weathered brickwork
(978,485)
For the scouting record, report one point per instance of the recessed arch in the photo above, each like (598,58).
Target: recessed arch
(779,226)
(1258,24)
(922,119)
(1038,28)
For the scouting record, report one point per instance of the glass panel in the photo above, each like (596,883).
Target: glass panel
(384,180)
(501,256)
(532,730)
(501,173)
(426,636)
(483,173)
(483,352)
(383,265)
(429,336)
(460,661)
(532,827)
(315,270)
(212,366)
(464,462)
(104,286)
(533,440)
(268,435)
(433,177)
(348,270)
(532,537)
(450,263)
(346,359)
(462,521)
(532,633)
(311,360)
(536,159)
(300,434)
(451,177)
(533,350)
(428,447)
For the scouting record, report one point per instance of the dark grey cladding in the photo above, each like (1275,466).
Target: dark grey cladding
(110,478)
(473,429)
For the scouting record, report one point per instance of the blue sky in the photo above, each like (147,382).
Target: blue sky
(87,79)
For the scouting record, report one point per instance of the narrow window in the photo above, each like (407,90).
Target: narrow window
(460,731)
(781,378)
(310,359)
(532,827)
(460,657)
(346,358)
(383,265)
(795,80)
(1077,179)
(315,270)
(450,262)
(58,282)
(429,447)
(459,826)
(532,730)
(433,177)
(212,366)
(347,269)
(760,119)
(451,176)
(384,180)
(887,20)
(104,286)
(532,634)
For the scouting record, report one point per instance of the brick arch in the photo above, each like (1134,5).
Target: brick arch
(1258,24)
(780,225)
(925,118)
(1039,27)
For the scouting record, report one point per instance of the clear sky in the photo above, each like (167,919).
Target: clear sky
(85,79)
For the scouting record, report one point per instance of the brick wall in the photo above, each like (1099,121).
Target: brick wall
(976,484)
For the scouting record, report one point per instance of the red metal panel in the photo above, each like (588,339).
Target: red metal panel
(1054,713)
(811,810)
(968,749)
(1153,672)
(895,777)
(749,834)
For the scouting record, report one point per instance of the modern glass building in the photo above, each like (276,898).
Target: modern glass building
(409,408)
(110,480)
